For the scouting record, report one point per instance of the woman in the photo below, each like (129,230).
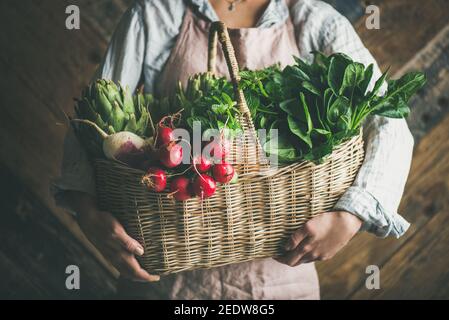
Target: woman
(163,42)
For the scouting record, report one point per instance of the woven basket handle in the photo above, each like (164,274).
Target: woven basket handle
(252,151)
(219,32)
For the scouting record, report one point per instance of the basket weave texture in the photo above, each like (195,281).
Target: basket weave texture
(244,221)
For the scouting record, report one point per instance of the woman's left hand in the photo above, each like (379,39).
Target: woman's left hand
(320,238)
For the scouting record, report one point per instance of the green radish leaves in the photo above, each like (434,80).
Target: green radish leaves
(209,100)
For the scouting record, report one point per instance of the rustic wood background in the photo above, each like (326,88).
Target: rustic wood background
(43,66)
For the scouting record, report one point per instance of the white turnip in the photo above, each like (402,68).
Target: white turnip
(124,146)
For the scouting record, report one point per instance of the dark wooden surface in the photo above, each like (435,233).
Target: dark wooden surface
(426,192)
(36,249)
(43,66)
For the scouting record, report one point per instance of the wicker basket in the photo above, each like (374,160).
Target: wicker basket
(244,221)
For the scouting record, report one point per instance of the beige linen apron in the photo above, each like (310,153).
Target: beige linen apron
(255,48)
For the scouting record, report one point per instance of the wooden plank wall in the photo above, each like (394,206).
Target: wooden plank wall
(412,36)
(43,66)
(36,249)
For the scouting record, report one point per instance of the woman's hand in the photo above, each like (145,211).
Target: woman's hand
(110,238)
(320,238)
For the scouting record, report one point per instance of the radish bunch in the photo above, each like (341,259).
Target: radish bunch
(166,153)
(198,179)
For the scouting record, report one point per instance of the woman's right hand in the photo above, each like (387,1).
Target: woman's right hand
(109,237)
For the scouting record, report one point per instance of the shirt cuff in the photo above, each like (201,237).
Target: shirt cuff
(376,219)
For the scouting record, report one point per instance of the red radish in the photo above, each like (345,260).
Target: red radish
(204,186)
(155,179)
(123,146)
(218,150)
(223,172)
(202,163)
(171,155)
(181,189)
(164,136)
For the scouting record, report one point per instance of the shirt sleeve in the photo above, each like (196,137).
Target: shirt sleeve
(124,58)
(122,63)
(377,190)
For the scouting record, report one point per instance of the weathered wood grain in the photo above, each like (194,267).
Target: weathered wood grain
(431,104)
(420,267)
(346,272)
(36,249)
(44,65)
(340,276)
(406,26)
(426,195)
(16,283)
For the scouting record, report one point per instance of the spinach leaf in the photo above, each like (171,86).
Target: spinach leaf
(368,75)
(393,108)
(300,129)
(311,88)
(321,59)
(319,153)
(337,68)
(280,146)
(394,103)
(339,107)
(290,107)
(378,85)
(406,86)
(353,76)
(296,73)
(305,109)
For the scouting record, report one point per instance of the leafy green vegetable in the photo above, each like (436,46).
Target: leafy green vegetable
(281,147)
(208,99)
(324,103)
(337,68)
(315,106)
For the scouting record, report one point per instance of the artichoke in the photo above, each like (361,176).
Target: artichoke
(114,109)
